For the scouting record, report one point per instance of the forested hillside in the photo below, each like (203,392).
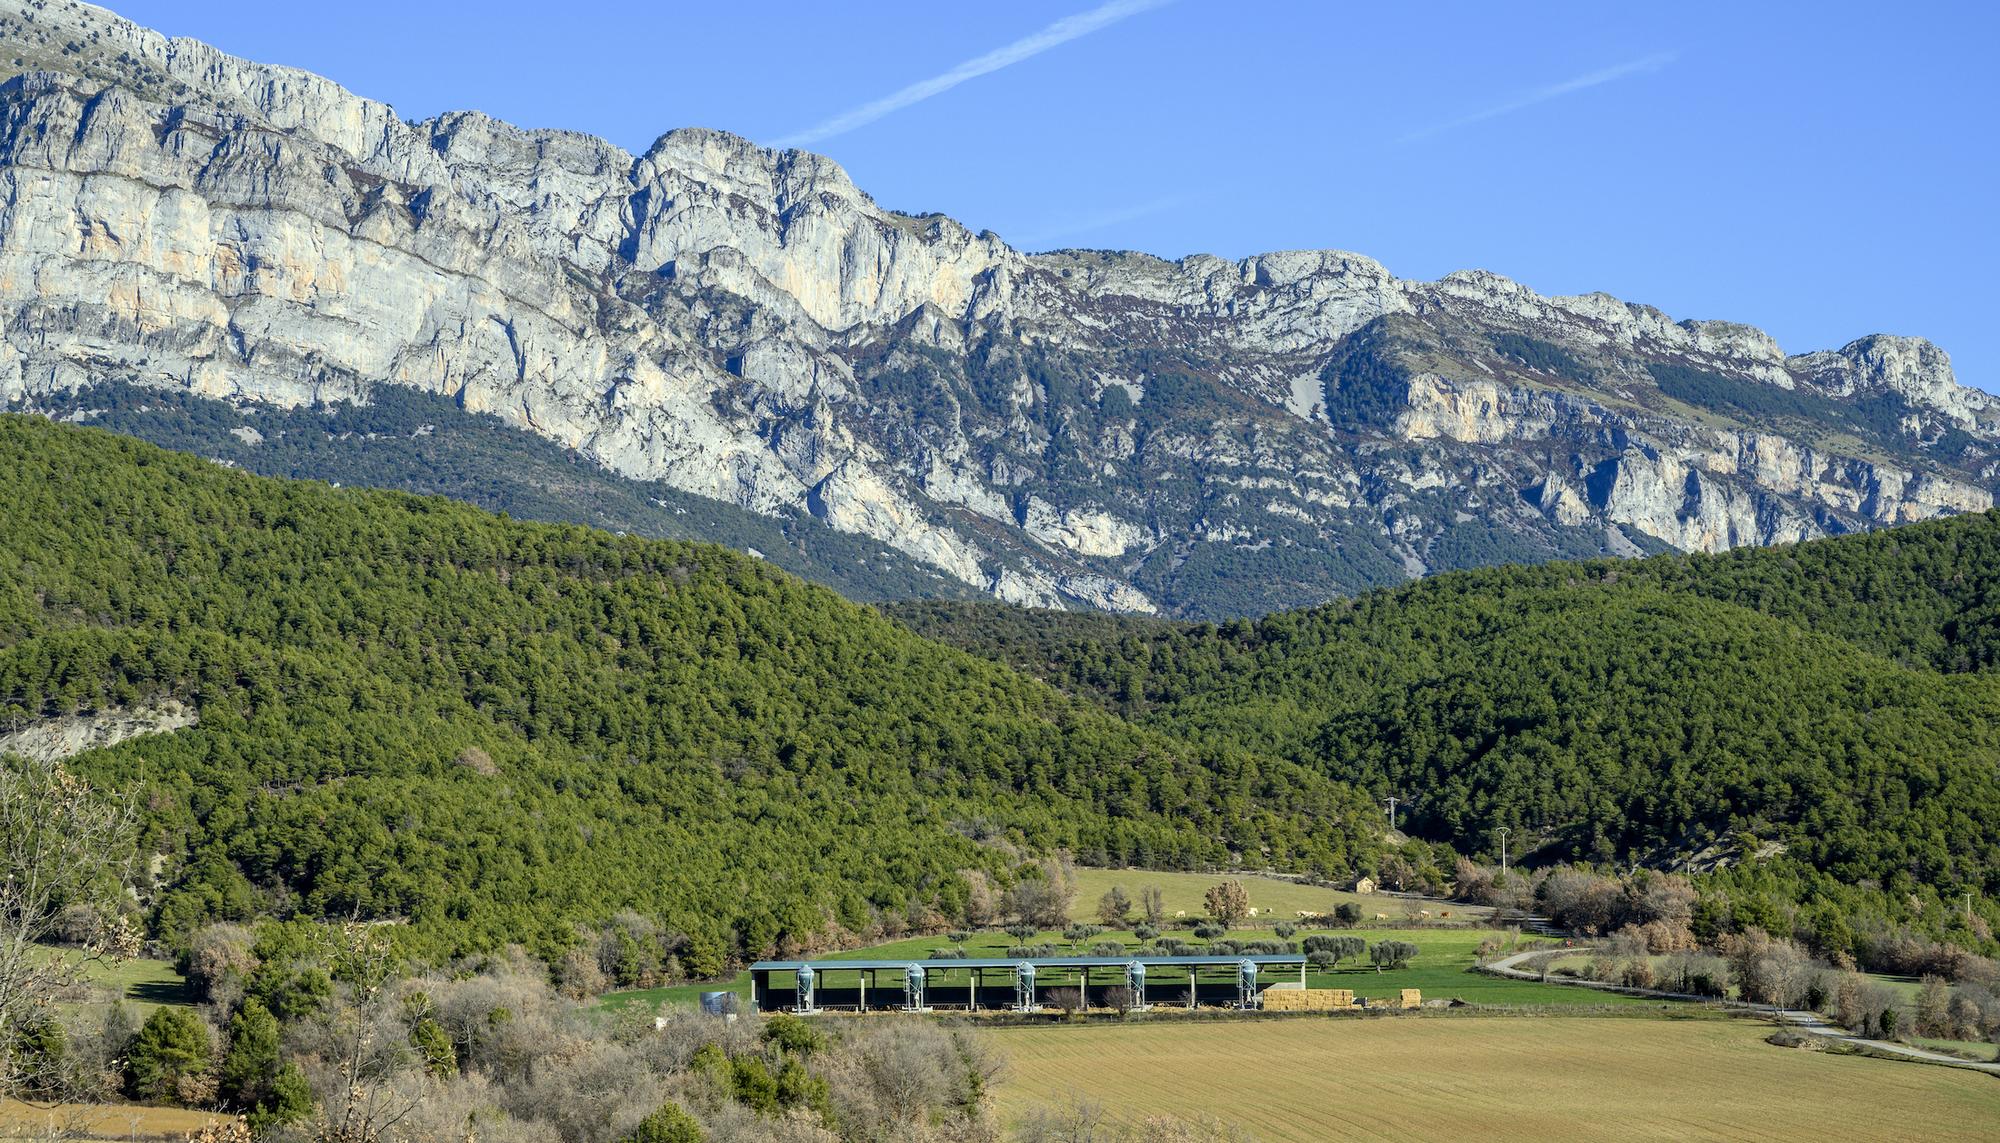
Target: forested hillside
(419,442)
(411,710)
(1829,705)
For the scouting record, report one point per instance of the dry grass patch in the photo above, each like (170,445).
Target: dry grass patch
(1274,898)
(1493,1078)
(101,1121)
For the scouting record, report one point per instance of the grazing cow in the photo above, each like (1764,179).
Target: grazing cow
(1381,916)
(1445,915)
(1180,912)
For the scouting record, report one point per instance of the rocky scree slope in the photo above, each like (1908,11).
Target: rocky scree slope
(1201,437)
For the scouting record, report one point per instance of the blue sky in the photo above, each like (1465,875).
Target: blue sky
(1823,171)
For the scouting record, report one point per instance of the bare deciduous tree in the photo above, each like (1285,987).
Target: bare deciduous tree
(1068,1000)
(362,1069)
(1120,999)
(1042,895)
(64,849)
(1228,902)
(1114,907)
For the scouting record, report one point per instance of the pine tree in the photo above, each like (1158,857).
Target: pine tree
(290,1101)
(171,1046)
(250,1066)
(670,1124)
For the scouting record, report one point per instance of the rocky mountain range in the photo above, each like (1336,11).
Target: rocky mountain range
(1201,437)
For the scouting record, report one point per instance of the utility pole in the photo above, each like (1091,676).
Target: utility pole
(1392,802)
(1503,831)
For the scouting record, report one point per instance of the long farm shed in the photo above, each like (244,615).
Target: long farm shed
(808,986)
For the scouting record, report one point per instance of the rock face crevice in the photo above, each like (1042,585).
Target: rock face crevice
(1079,427)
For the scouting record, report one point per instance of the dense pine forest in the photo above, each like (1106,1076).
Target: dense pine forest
(411,441)
(496,732)
(1817,721)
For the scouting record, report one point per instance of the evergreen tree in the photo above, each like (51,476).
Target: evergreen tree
(172,1047)
(250,1065)
(670,1124)
(290,1101)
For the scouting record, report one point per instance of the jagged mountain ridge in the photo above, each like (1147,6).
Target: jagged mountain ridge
(1199,437)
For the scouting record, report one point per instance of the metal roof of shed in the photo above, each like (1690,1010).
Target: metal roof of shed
(1259,959)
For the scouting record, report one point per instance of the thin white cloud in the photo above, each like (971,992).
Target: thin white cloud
(1598,78)
(1055,35)
(1040,239)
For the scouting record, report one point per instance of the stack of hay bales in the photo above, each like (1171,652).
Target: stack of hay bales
(1308,999)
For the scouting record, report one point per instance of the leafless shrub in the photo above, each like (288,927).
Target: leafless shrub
(468,1107)
(1637,973)
(1081,1120)
(1581,900)
(1666,898)
(588,1092)
(1626,942)
(1041,894)
(217,956)
(579,975)
(1077,1120)
(1768,970)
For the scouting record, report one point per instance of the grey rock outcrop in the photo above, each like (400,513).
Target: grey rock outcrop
(54,739)
(1071,428)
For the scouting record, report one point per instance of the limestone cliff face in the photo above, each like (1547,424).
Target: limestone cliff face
(1106,429)
(54,739)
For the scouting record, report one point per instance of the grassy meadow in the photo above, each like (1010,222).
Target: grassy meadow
(145,984)
(142,982)
(1538,1079)
(1974,1050)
